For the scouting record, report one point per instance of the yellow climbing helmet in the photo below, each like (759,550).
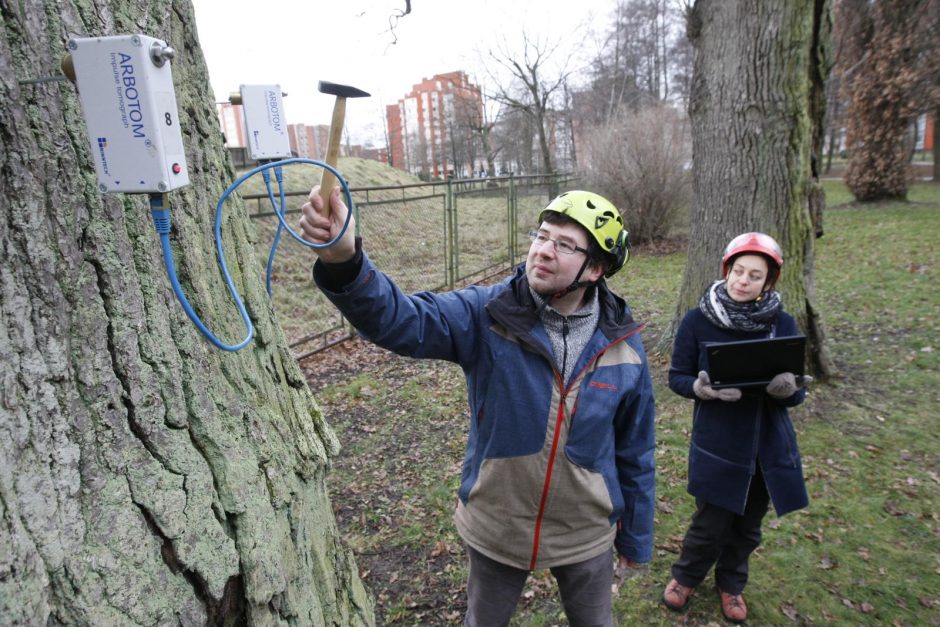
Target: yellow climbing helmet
(601,219)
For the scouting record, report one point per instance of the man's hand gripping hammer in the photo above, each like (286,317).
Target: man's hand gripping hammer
(342,92)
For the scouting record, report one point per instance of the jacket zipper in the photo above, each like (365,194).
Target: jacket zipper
(559,420)
(564,341)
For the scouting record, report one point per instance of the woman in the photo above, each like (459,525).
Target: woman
(743,453)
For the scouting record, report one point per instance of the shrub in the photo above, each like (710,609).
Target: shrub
(640,162)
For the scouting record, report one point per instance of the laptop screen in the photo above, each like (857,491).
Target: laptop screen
(747,363)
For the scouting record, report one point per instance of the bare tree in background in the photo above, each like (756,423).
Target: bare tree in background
(835,120)
(571,158)
(488,122)
(514,140)
(533,89)
(680,57)
(844,64)
(646,59)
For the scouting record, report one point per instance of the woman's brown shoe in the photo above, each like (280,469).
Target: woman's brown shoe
(733,607)
(676,596)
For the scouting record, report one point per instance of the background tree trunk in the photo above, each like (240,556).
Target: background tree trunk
(145,476)
(756,109)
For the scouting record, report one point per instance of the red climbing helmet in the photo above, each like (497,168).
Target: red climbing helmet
(760,244)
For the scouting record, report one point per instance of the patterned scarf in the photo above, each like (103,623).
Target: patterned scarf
(727,313)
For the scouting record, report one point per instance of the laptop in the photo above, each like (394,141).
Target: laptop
(748,363)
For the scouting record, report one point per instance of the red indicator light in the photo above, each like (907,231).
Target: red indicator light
(177,168)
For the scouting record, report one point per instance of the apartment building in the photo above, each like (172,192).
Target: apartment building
(430,130)
(308,142)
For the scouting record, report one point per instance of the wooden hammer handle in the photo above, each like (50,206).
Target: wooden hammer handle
(327,179)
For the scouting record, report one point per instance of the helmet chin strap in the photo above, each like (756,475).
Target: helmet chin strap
(576,284)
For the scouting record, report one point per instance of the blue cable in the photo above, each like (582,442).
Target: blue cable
(161,220)
(278,209)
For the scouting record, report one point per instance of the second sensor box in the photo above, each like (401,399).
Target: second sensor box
(265,123)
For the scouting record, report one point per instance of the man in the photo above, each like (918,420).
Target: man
(559,461)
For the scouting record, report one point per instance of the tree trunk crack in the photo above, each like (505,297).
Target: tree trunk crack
(230,610)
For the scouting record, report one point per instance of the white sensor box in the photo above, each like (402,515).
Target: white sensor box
(265,123)
(126,90)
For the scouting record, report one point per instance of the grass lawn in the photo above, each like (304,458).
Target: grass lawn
(865,552)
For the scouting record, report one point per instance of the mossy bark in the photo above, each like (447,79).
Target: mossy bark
(756,108)
(145,476)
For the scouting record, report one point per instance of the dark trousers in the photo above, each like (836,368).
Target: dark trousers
(724,539)
(493,591)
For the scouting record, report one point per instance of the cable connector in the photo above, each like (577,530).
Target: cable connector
(160,213)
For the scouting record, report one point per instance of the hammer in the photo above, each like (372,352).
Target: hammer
(342,92)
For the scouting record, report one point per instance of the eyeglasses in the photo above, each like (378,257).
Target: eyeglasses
(565,247)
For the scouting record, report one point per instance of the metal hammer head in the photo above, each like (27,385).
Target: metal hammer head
(340,91)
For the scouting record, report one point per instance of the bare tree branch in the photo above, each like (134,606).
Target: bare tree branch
(393,22)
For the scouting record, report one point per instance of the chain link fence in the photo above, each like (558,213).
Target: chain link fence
(429,236)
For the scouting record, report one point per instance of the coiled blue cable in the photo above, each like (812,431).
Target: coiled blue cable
(161,220)
(279,208)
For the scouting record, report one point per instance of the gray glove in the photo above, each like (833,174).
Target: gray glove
(784,384)
(704,390)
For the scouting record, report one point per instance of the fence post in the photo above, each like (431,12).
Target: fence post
(513,221)
(510,228)
(350,329)
(451,254)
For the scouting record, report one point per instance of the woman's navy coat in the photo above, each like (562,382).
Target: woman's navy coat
(730,438)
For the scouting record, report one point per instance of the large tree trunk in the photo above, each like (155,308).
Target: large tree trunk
(756,111)
(145,477)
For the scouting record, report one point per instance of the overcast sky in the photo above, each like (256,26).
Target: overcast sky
(295,44)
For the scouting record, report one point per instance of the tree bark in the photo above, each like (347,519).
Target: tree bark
(756,110)
(145,477)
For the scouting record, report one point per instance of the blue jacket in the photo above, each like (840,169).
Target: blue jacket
(730,438)
(553,471)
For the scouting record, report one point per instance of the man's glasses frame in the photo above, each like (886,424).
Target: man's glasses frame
(562,246)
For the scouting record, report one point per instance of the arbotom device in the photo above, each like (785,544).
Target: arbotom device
(126,89)
(265,123)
